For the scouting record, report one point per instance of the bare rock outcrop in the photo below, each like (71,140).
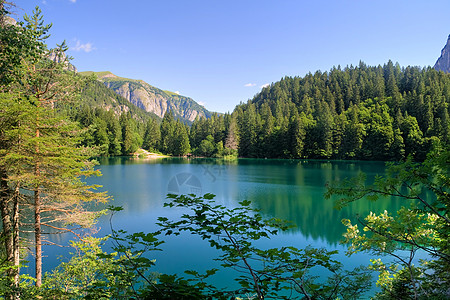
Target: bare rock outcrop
(152,99)
(443,62)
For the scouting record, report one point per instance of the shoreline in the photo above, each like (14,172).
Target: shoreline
(144,154)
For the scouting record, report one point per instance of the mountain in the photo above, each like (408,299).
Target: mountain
(97,94)
(443,62)
(152,99)
(53,55)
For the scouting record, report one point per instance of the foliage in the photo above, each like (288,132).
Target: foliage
(359,112)
(90,273)
(174,136)
(41,161)
(214,137)
(422,225)
(152,136)
(267,273)
(372,113)
(276,273)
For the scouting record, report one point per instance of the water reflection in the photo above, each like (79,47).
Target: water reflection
(287,189)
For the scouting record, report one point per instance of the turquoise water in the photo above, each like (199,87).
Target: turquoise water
(287,189)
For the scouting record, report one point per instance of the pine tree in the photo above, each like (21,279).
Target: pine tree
(41,168)
(248,136)
(297,135)
(152,135)
(232,141)
(323,130)
(353,134)
(127,134)
(167,133)
(180,140)
(114,134)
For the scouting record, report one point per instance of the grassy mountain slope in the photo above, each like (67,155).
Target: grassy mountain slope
(152,99)
(97,94)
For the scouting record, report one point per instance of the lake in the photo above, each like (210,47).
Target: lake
(287,189)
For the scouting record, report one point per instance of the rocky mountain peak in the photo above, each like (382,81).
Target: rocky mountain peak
(152,99)
(61,58)
(443,62)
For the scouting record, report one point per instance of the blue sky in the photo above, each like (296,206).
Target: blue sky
(221,53)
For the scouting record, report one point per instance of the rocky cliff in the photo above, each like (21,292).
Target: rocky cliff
(62,59)
(443,62)
(152,99)
(96,94)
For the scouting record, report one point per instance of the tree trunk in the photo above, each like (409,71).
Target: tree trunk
(37,220)
(6,216)
(16,240)
(8,234)
(37,235)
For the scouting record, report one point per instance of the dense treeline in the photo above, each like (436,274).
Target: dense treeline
(122,133)
(111,124)
(363,112)
(97,94)
(110,133)
(374,113)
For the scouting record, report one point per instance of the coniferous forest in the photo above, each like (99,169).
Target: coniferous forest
(373,113)
(370,113)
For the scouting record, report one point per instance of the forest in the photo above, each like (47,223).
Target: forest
(49,137)
(372,113)
(367,113)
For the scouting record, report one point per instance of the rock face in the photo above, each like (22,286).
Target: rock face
(96,94)
(62,59)
(152,99)
(443,62)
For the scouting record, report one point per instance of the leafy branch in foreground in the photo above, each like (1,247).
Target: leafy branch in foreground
(421,225)
(276,273)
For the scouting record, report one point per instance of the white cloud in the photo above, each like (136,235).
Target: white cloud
(177,92)
(201,103)
(73,1)
(265,85)
(86,47)
(250,84)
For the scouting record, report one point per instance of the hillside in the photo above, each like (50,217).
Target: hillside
(152,99)
(374,113)
(97,94)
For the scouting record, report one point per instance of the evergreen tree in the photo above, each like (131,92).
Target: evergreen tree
(297,134)
(231,140)
(167,133)
(114,134)
(248,135)
(207,147)
(180,140)
(127,135)
(348,107)
(101,136)
(42,168)
(152,135)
